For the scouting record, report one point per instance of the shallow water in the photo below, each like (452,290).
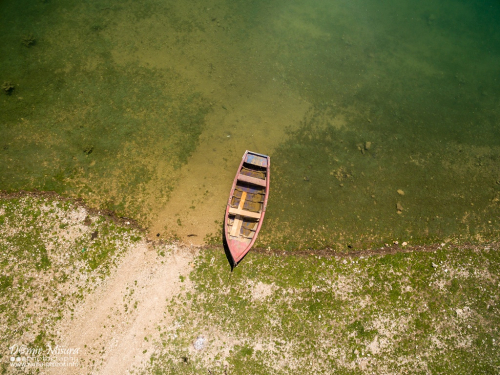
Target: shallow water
(147,107)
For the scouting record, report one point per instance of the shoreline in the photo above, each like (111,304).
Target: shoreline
(327,252)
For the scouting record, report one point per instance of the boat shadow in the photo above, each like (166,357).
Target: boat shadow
(229,257)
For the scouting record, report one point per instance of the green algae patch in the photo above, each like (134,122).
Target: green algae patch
(336,187)
(82,125)
(100,148)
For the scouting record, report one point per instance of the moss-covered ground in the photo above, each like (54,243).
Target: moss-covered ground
(52,255)
(416,313)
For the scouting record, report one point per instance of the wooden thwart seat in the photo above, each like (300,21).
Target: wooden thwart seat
(252,180)
(238,211)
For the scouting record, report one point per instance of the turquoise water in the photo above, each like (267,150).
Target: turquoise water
(381,119)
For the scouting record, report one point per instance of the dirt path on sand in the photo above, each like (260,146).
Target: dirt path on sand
(110,327)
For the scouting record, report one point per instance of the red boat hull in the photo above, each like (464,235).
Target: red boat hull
(247,204)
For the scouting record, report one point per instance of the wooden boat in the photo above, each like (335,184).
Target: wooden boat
(247,203)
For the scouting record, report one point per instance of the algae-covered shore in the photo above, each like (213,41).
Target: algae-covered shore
(76,279)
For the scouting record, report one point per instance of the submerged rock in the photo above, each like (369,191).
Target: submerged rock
(28,40)
(8,87)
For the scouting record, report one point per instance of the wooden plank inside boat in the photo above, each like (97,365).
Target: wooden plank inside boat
(238,220)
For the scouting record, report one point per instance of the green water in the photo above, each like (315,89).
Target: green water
(132,105)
